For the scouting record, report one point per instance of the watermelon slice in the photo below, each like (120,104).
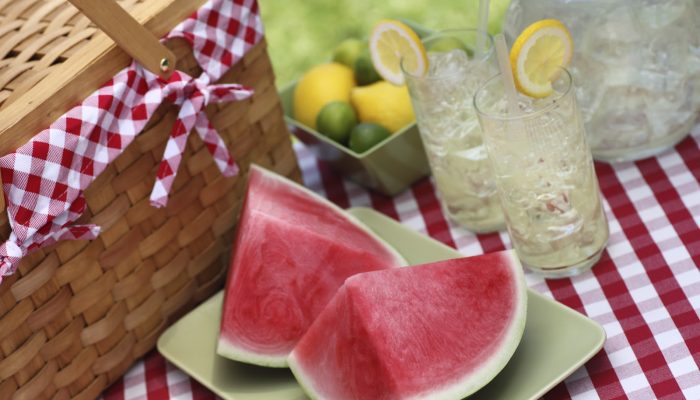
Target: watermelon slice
(292,252)
(435,331)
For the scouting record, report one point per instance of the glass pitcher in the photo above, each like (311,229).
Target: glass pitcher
(637,68)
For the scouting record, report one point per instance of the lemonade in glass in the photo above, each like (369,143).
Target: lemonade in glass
(442,102)
(545,176)
(537,145)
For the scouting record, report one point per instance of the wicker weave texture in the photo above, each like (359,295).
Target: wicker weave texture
(75,316)
(36,36)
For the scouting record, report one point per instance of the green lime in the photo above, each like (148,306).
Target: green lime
(365,135)
(365,73)
(335,120)
(348,50)
(447,43)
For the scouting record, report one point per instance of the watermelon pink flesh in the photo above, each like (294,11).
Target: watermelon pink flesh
(293,251)
(435,331)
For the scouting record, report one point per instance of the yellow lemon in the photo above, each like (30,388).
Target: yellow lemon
(384,104)
(393,42)
(319,86)
(538,55)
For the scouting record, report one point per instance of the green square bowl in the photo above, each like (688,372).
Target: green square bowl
(388,168)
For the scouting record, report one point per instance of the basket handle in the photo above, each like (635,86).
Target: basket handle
(129,34)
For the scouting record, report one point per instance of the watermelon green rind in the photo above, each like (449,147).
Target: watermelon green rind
(280,202)
(459,388)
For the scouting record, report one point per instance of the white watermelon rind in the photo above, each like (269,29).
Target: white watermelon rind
(301,379)
(469,386)
(229,350)
(341,211)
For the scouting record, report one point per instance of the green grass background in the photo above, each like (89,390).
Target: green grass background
(303,33)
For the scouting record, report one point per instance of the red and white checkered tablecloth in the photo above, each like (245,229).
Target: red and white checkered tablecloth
(645,291)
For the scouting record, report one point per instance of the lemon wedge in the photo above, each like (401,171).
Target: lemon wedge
(392,41)
(538,55)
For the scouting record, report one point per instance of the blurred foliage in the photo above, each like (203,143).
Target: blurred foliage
(303,33)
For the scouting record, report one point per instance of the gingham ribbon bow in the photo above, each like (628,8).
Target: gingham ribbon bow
(44,179)
(193,95)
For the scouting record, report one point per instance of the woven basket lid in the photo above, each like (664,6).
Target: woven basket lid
(52,57)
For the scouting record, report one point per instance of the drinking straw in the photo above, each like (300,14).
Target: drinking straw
(482,26)
(506,73)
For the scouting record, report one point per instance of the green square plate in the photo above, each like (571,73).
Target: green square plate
(389,167)
(556,342)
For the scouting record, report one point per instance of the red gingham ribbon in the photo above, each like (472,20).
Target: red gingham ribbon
(43,180)
(14,249)
(193,95)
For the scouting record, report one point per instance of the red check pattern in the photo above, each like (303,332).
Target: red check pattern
(193,95)
(645,291)
(44,180)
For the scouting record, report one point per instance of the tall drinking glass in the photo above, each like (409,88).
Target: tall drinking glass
(442,102)
(545,177)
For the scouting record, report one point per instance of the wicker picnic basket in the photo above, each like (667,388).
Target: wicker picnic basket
(74,316)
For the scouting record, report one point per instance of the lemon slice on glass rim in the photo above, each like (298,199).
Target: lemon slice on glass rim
(392,41)
(538,55)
